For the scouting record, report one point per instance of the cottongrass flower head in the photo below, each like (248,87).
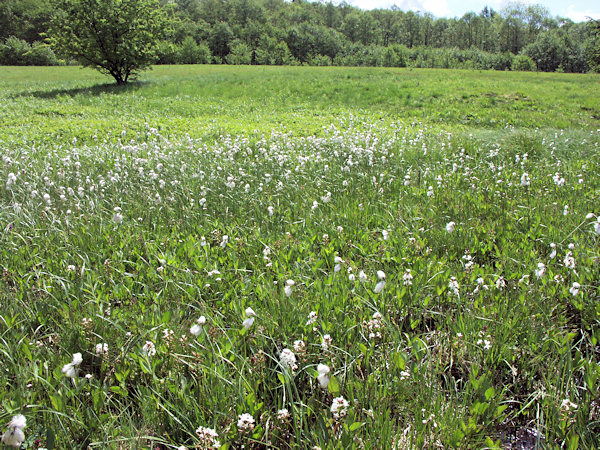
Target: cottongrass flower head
(288,287)
(339,408)
(362,276)
(196,329)
(208,438)
(338,264)
(407,278)
(312,318)
(569,261)
(381,283)
(553,252)
(102,349)
(575,289)
(117,217)
(454,286)
(250,316)
(450,227)
(70,369)
(245,422)
(287,359)
(14,435)
(323,377)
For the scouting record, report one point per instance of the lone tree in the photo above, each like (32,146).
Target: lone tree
(116,37)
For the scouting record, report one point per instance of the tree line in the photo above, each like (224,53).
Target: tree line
(278,32)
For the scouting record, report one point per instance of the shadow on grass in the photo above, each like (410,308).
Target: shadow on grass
(98,89)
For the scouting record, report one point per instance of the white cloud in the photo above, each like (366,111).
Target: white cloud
(438,8)
(581,16)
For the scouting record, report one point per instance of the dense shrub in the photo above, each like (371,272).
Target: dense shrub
(17,52)
(523,63)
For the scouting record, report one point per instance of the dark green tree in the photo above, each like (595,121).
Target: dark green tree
(117,37)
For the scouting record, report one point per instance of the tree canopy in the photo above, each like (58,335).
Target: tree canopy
(117,37)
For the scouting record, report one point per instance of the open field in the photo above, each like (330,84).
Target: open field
(210,238)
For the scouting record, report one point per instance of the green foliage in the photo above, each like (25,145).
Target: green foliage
(523,63)
(17,52)
(116,37)
(592,46)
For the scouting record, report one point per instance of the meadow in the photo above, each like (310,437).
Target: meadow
(295,257)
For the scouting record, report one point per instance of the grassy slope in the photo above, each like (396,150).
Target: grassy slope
(54,103)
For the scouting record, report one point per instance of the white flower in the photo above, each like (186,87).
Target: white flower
(208,437)
(407,277)
(224,241)
(196,329)
(271,210)
(312,318)
(245,422)
(323,376)
(287,359)
(568,405)
(379,286)
(283,415)
(149,349)
(288,287)
(338,264)
(381,274)
(525,180)
(450,226)
(326,342)
(386,234)
(454,286)
(70,369)
(14,436)
(102,349)
(299,346)
(597,226)
(362,276)
(500,283)
(71,268)
(553,253)
(541,270)
(250,314)
(575,289)
(339,408)
(569,261)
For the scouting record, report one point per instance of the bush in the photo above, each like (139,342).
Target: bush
(523,63)
(41,55)
(192,53)
(240,53)
(17,52)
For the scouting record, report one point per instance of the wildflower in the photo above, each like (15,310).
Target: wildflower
(15,436)
(250,314)
(566,210)
(338,264)
(203,241)
(283,415)
(287,359)
(196,329)
(375,325)
(450,226)
(288,287)
(208,437)
(407,277)
(430,191)
(71,268)
(299,346)
(312,318)
(149,349)
(102,349)
(597,226)
(340,229)
(386,235)
(541,270)
(381,283)
(362,276)
(454,286)
(245,422)
(575,289)
(70,369)
(404,375)
(12,178)
(326,342)
(323,376)
(553,253)
(569,261)
(500,283)
(567,405)
(271,210)
(117,217)
(525,180)
(339,408)
(224,241)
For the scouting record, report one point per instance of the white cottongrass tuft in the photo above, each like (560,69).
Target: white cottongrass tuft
(288,287)
(381,283)
(14,435)
(323,376)
(149,349)
(250,316)
(450,227)
(70,369)
(541,270)
(196,329)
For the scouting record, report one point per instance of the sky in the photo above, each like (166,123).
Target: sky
(576,10)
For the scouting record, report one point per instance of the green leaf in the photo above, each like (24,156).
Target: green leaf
(355,426)
(489,393)
(334,387)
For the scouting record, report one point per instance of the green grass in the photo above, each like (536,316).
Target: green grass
(316,176)
(205,101)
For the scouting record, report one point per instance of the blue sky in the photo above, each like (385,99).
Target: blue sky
(576,10)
